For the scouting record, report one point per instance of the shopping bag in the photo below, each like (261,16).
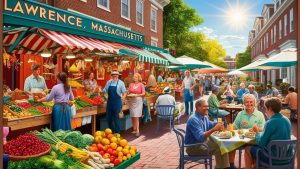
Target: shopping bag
(73,110)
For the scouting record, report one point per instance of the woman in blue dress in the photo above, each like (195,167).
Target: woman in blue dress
(62,95)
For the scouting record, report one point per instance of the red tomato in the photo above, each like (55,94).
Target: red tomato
(115,153)
(100,146)
(101,153)
(116,162)
(109,151)
(112,159)
(105,147)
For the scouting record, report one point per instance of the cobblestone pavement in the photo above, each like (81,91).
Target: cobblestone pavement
(160,150)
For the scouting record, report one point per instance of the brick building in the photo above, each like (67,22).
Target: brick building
(274,31)
(142,16)
(231,63)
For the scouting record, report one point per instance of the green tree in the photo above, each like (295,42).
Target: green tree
(178,19)
(243,59)
(215,52)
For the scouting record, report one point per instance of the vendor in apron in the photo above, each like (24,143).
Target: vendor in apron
(63,97)
(35,83)
(188,85)
(116,93)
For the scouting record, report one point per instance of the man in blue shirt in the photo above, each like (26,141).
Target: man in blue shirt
(243,90)
(198,130)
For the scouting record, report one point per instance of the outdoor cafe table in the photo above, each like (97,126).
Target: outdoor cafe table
(228,145)
(233,109)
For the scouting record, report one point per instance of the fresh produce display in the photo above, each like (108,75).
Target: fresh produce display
(98,162)
(26,145)
(24,105)
(9,115)
(98,100)
(112,146)
(87,99)
(34,111)
(33,103)
(75,84)
(15,108)
(43,109)
(49,137)
(81,104)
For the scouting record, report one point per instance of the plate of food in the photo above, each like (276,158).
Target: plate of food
(250,134)
(223,134)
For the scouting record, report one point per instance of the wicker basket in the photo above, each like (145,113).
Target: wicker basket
(18,158)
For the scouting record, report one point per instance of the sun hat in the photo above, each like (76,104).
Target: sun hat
(167,90)
(114,73)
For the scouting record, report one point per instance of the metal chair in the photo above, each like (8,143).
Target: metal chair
(282,157)
(184,157)
(165,112)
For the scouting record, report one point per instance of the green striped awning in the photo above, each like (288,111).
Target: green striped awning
(144,56)
(171,59)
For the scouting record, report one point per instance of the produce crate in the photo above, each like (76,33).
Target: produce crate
(129,162)
(125,123)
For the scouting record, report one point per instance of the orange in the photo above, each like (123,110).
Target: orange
(119,149)
(120,159)
(124,158)
(117,135)
(98,139)
(125,151)
(108,131)
(114,139)
(98,133)
(113,146)
(128,156)
(126,147)
(105,141)
(132,152)
(123,142)
(133,148)
(120,154)
(109,136)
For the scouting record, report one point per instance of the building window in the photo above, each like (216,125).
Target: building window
(104,4)
(275,33)
(261,45)
(280,29)
(153,19)
(291,20)
(125,9)
(285,25)
(154,42)
(277,4)
(284,73)
(272,36)
(140,12)
(267,40)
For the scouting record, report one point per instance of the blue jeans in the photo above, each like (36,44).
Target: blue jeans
(188,101)
(229,99)
(112,114)
(262,157)
(293,114)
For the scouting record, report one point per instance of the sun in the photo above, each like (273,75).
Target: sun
(236,17)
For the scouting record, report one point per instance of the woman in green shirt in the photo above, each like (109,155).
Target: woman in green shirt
(270,132)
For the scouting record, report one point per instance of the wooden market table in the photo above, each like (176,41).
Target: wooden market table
(232,109)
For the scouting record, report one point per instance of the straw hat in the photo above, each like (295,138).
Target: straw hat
(115,73)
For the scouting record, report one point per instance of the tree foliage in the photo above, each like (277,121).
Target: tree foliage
(243,59)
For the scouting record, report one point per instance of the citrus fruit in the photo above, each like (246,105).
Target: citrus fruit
(117,135)
(108,131)
(120,154)
(98,133)
(114,139)
(125,151)
(109,136)
(132,152)
(120,159)
(124,158)
(133,148)
(113,146)
(119,149)
(105,141)
(128,156)
(126,147)
(98,139)
(123,142)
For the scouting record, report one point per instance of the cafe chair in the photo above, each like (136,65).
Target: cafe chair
(165,112)
(284,157)
(184,157)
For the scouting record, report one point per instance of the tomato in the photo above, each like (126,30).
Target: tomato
(101,153)
(115,153)
(109,151)
(116,162)
(105,147)
(93,149)
(106,156)
(112,159)
(100,146)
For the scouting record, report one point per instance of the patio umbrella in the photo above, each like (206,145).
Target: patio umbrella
(285,58)
(237,73)
(253,67)
(189,63)
(214,69)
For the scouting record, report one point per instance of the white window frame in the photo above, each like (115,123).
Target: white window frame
(267,39)
(274,31)
(272,36)
(125,17)
(261,45)
(153,8)
(292,20)
(280,29)
(104,7)
(154,42)
(142,2)
(285,25)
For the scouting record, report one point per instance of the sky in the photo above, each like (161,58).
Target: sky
(228,21)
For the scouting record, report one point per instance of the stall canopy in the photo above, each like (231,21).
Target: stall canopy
(214,69)
(286,58)
(35,40)
(253,67)
(189,63)
(170,58)
(237,73)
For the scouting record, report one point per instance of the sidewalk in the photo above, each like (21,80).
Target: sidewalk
(161,150)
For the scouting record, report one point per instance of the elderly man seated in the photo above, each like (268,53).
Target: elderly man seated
(253,92)
(278,127)
(214,104)
(243,90)
(198,130)
(247,119)
(272,91)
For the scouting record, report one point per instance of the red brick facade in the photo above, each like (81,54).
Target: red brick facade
(114,15)
(261,43)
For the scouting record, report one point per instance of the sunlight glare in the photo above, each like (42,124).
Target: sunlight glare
(236,17)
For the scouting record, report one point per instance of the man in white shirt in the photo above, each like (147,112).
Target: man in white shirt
(166,98)
(188,85)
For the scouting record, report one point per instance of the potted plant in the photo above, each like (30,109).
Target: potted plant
(284,88)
